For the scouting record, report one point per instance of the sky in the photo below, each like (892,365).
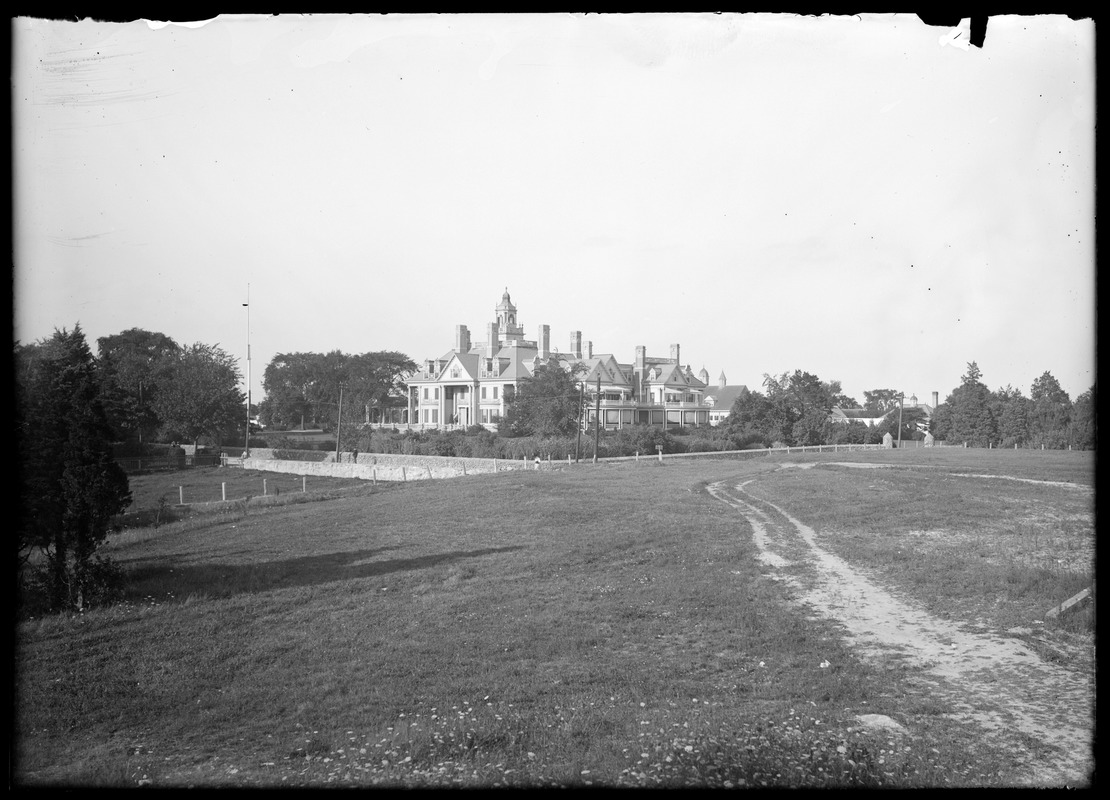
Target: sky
(865,198)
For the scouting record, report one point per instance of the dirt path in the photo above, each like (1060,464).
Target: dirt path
(995,682)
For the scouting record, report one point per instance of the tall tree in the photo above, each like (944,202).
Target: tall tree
(199,394)
(1051,413)
(1084,429)
(881,401)
(1011,409)
(546,404)
(128,362)
(749,421)
(70,486)
(794,411)
(966,415)
(304,387)
(812,401)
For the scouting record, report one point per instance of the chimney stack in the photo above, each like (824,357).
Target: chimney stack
(674,353)
(589,349)
(935,400)
(543,343)
(576,344)
(462,339)
(493,344)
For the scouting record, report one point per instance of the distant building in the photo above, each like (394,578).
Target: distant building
(467,385)
(721,397)
(868,418)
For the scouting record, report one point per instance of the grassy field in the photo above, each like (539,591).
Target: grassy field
(607,625)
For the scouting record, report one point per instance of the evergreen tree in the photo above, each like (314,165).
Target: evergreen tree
(70,485)
(1051,413)
(1011,410)
(1084,430)
(967,414)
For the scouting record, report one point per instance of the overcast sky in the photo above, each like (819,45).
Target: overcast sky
(863,198)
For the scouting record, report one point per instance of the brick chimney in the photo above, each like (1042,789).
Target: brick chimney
(576,344)
(462,339)
(675,353)
(543,342)
(493,343)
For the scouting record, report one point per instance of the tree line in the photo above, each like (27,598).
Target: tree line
(1047,418)
(73,411)
(795,409)
(304,389)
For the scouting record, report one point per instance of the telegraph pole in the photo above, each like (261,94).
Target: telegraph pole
(247,441)
(901,402)
(339,424)
(581,405)
(597,416)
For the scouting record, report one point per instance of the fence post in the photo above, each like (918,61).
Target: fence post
(303,479)
(263,487)
(374,475)
(403,477)
(223,491)
(181,495)
(495,467)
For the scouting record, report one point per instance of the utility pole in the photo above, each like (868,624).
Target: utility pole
(581,405)
(247,441)
(597,416)
(901,402)
(339,424)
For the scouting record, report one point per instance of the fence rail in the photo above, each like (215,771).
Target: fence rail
(166,463)
(766,451)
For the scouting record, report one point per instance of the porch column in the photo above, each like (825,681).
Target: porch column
(442,406)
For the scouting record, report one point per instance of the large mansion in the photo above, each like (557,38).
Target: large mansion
(468,384)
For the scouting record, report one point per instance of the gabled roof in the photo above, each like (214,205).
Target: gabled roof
(724,398)
(671,374)
(606,367)
(466,363)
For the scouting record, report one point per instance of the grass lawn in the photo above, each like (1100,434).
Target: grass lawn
(607,624)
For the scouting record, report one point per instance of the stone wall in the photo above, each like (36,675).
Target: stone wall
(382,466)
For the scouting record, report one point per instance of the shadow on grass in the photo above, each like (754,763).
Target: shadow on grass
(227,580)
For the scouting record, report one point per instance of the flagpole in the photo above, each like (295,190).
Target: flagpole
(247,442)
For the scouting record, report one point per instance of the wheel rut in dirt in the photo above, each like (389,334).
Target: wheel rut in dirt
(995,682)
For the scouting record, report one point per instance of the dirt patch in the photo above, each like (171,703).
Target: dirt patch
(996,682)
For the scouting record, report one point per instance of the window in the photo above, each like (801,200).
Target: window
(483,392)
(425,392)
(436,393)
(494,392)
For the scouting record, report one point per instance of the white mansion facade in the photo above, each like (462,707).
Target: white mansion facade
(467,384)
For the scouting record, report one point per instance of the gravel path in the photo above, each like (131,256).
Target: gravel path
(993,681)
